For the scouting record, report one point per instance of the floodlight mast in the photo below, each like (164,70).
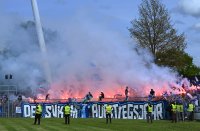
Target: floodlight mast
(41,40)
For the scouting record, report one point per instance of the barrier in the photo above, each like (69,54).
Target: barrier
(197,113)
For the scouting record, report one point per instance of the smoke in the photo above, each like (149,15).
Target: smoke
(19,53)
(84,55)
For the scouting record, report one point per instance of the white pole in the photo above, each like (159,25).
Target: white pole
(41,41)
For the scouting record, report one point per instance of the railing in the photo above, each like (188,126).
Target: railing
(7,109)
(116,99)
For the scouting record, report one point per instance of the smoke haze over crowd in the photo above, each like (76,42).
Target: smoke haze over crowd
(84,55)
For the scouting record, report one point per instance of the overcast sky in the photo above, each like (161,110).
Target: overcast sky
(116,14)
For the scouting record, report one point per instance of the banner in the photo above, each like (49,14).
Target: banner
(18,110)
(1,109)
(120,110)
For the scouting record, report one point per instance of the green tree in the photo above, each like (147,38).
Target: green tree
(152,30)
(189,70)
(173,58)
(179,61)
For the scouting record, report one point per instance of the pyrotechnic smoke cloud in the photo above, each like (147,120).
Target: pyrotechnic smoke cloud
(84,55)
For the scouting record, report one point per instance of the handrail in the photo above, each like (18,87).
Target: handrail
(121,99)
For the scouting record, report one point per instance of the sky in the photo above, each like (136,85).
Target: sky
(116,14)
(89,45)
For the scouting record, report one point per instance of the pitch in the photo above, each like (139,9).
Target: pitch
(91,124)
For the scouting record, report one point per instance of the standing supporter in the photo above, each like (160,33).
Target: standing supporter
(67,111)
(151,95)
(108,113)
(190,111)
(169,110)
(149,110)
(88,97)
(181,110)
(174,108)
(126,93)
(38,114)
(101,96)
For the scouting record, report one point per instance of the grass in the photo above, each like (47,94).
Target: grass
(90,124)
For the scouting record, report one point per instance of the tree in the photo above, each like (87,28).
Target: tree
(189,70)
(153,29)
(173,58)
(179,61)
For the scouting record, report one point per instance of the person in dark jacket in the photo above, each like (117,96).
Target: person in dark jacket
(101,96)
(126,93)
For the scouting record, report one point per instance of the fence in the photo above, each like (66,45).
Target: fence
(14,108)
(7,106)
(8,109)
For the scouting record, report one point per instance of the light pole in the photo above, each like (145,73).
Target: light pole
(41,40)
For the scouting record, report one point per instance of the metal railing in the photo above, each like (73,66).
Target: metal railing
(6,105)
(116,99)
(8,109)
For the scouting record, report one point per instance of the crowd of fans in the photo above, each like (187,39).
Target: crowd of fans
(181,105)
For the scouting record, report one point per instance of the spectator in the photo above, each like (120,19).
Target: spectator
(88,97)
(5,98)
(152,92)
(190,111)
(126,93)
(47,97)
(174,109)
(20,98)
(101,96)
(149,110)
(151,95)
